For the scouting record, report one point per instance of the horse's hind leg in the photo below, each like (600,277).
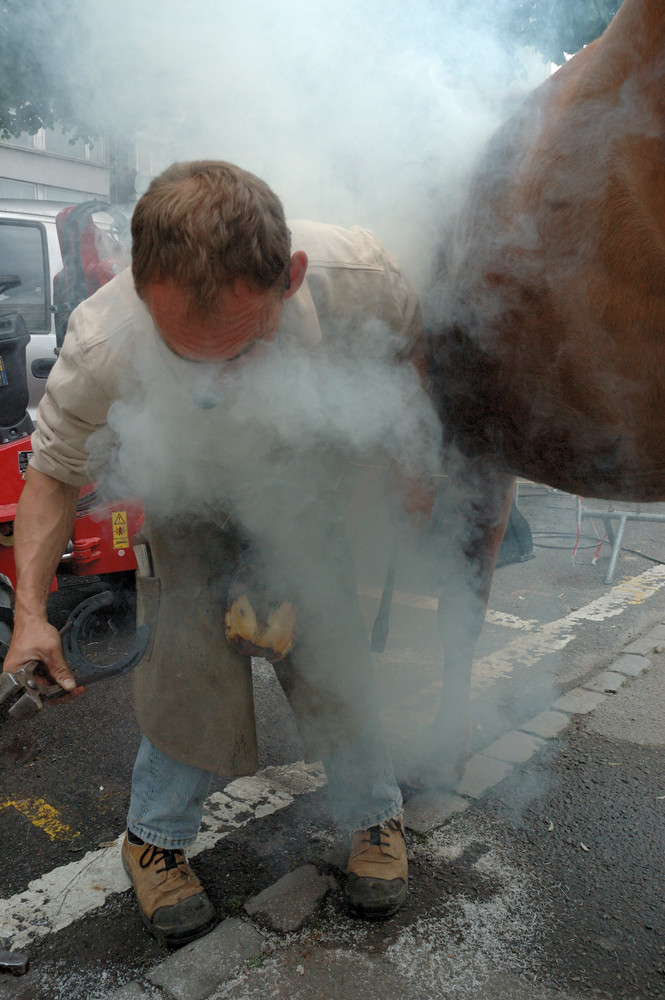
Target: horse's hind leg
(470,526)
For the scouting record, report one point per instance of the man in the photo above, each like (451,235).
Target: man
(213,287)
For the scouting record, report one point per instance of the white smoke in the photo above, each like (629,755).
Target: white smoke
(355,113)
(211,438)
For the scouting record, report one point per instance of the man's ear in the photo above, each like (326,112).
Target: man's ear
(297,270)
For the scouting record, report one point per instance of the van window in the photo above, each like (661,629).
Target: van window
(23,252)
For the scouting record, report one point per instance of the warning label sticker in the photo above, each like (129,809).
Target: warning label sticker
(23,459)
(120,529)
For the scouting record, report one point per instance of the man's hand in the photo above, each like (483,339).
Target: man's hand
(43,526)
(35,639)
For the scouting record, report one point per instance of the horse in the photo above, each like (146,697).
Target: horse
(546,354)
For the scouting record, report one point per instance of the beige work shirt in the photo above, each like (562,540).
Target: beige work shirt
(351,279)
(192,691)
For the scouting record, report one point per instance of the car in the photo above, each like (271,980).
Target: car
(29,248)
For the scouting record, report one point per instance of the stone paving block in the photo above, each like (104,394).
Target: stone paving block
(642,646)
(133,991)
(337,855)
(657,633)
(547,724)
(286,905)
(606,680)
(429,810)
(631,664)
(578,701)
(515,747)
(480,774)
(195,971)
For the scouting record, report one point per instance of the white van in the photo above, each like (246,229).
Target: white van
(29,249)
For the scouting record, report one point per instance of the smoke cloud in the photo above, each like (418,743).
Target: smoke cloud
(366,114)
(356,113)
(229,436)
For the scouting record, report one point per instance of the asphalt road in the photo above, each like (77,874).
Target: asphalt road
(538,906)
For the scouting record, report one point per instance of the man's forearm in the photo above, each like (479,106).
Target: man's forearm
(43,527)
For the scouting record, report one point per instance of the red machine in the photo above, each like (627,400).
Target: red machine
(101,544)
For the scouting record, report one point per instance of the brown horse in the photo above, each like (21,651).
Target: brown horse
(548,358)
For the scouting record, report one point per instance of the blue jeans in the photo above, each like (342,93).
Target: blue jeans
(168,797)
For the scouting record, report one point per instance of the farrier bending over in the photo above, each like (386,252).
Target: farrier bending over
(214,279)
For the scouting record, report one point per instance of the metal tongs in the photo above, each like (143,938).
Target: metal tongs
(30,685)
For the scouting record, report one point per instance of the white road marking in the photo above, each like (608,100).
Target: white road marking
(511,621)
(69,892)
(527,650)
(66,894)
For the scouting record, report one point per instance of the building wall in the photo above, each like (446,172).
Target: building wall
(48,166)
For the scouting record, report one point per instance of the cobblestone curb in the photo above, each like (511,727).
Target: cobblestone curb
(196,971)
(427,810)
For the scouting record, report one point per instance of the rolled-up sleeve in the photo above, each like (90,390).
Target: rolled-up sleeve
(74,405)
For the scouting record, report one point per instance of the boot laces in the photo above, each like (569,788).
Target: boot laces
(376,833)
(153,855)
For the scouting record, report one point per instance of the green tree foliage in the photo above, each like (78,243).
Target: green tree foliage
(557,28)
(40,45)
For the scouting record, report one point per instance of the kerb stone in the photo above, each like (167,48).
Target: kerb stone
(195,971)
(631,664)
(132,991)
(480,774)
(578,701)
(607,680)
(546,724)
(515,747)
(287,904)
(429,810)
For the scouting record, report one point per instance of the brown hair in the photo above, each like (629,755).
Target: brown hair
(206,224)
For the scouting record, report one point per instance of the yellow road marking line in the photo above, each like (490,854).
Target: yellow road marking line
(428,603)
(43,816)
(401,597)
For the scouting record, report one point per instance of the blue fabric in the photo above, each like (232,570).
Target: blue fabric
(168,796)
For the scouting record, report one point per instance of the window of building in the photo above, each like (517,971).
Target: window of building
(67,194)
(24,140)
(54,141)
(16,189)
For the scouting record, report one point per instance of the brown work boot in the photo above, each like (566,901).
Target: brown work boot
(378,871)
(172,901)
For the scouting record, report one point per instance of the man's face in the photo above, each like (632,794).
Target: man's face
(243,318)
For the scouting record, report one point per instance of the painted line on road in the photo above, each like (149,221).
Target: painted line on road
(426,603)
(529,649)
(69,892)
(56,899)
(43,816)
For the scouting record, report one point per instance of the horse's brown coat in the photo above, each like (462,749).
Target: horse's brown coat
(551,353)
(548,360)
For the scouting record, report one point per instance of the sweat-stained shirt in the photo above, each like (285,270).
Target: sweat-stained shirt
(351,279)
